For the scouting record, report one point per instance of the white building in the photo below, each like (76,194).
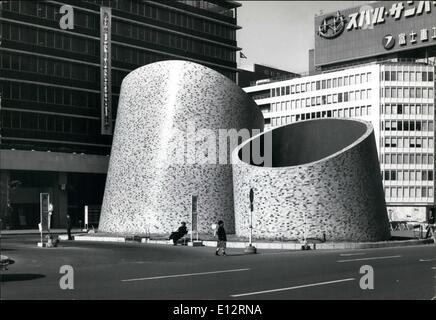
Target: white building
(398,98)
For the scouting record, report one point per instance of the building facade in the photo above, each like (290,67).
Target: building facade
(397,98)
(258,72)
(60,88)
(375,62)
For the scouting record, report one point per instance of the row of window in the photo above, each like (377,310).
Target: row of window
(50,95)
(164,38)
(407,175)
(322,100)
(407,93)
(179,19)
(49,123)
(322,84)
(412,109)
(60,41)
(57,40)
(408,76)
(346,112)
(50,39)
(209,6)
(407,142)
(399,125)
(406,158)
(409,192)
(91,21)
(140,57)
(50,67)
(49,11)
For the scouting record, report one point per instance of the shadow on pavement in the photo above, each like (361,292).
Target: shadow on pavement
(234,254)
(20,277)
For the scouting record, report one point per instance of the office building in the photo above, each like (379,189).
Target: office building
(378,68)
(62,64)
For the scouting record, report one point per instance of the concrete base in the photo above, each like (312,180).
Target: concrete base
(272,245)
(196,244)
(42,244)
(250,249)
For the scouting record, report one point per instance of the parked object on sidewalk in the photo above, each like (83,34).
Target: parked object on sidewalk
(69,227)
(5,262)
(52,241)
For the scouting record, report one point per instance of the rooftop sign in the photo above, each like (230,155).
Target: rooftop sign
(374,29)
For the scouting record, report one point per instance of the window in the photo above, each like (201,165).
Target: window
(412,76)
(399,76)
(424,76)
(387,175)
(412,92)
(387,76)
(387,92)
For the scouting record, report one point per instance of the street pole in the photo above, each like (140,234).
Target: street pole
(251,225)
(250,249)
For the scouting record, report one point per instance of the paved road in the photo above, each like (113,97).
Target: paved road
(135,271)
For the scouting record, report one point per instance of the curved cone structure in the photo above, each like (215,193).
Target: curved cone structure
(323,177)
(165,149)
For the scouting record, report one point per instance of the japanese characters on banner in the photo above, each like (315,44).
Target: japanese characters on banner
(105,70)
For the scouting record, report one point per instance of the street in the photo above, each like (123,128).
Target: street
(138,271)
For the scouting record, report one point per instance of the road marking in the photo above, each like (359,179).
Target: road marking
(351,254)
(291,288)
(186,275)
(372,258)
(433,268)
(426,260)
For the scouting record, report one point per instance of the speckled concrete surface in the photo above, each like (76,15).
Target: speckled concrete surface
(148,188)
(338,192)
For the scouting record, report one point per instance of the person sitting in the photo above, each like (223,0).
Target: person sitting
(176,235)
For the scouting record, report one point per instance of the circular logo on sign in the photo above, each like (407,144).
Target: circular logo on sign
(388,42)
(332,26)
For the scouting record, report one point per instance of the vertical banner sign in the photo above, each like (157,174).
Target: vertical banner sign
(86,217)
(105,70)
(44,202)
(194,213)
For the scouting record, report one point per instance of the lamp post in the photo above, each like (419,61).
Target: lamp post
(250,248)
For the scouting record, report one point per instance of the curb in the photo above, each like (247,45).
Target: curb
(264,245)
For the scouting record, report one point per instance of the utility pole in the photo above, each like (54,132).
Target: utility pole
(250,249)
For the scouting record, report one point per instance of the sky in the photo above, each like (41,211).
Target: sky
(280,33)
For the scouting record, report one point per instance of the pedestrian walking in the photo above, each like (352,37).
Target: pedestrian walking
(222,239)
(69,227)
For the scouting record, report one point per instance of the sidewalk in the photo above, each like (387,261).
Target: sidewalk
(36,231)
(236,242)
